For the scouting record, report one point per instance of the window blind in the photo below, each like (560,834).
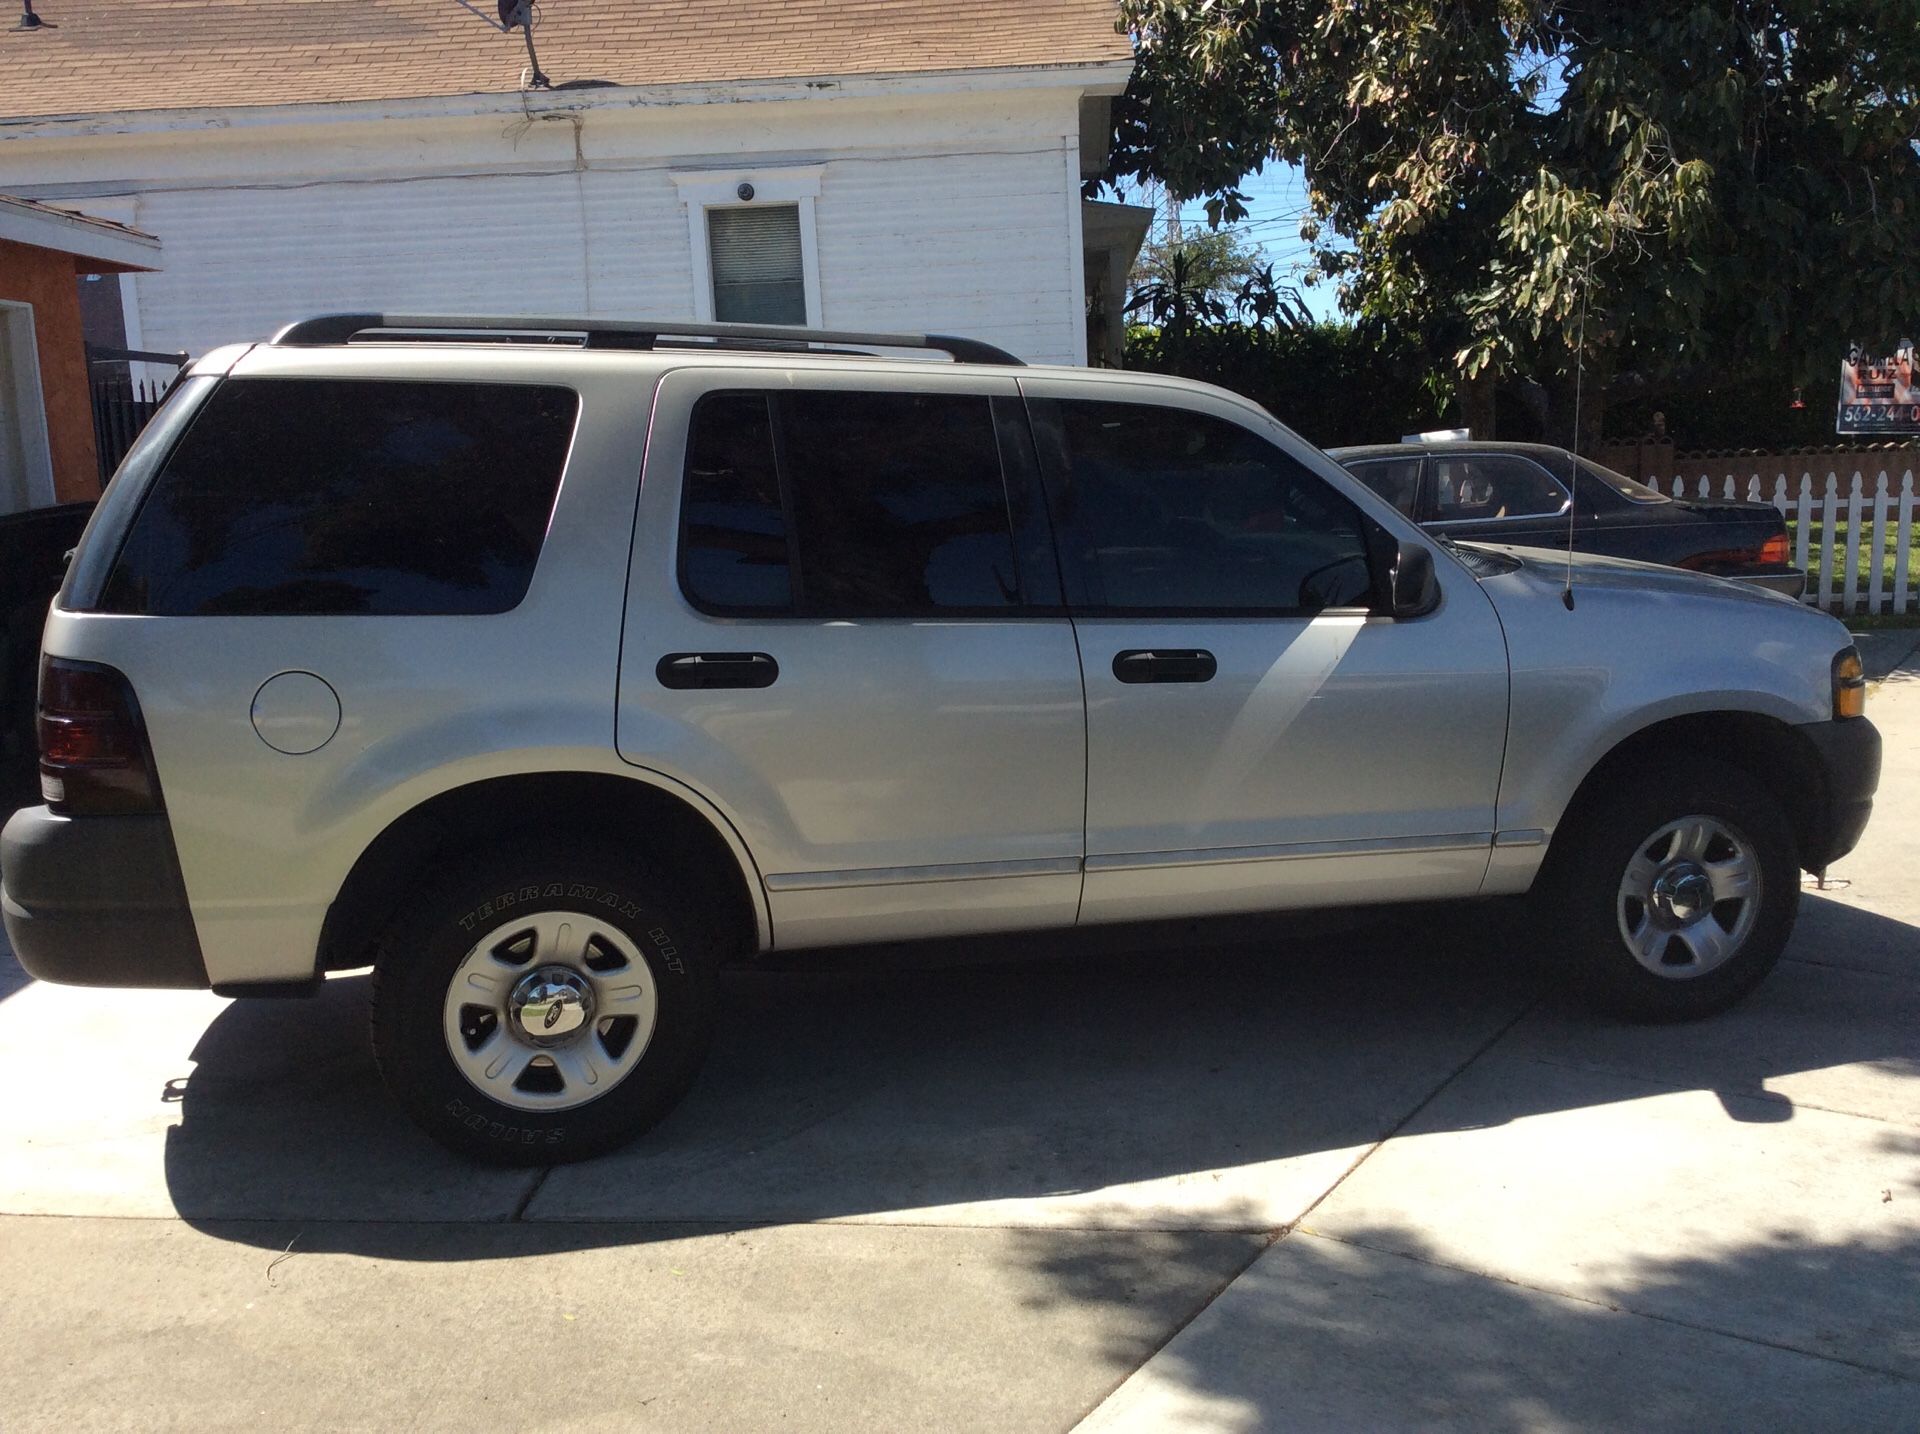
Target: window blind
(755,256)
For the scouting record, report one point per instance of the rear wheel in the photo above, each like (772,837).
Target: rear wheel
(1677,890)
(543,1007)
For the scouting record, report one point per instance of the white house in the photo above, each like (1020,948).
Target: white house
(898,164)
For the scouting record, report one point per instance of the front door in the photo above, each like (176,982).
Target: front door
(844,628)
(1256,737)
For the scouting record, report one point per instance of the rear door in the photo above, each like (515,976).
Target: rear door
(845,628)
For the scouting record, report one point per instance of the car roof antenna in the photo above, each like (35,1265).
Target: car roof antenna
(1573,456)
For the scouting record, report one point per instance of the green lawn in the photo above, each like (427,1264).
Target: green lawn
(1864,559)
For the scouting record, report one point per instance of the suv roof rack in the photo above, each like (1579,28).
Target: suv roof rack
(629,334)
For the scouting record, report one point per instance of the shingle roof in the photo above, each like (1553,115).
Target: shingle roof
(110,55)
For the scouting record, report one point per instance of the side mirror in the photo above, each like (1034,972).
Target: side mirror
(1415,590)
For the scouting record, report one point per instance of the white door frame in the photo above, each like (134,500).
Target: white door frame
(28,399)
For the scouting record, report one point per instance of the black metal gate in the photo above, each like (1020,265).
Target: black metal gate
(121,404)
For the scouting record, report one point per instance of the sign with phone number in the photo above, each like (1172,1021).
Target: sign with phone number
(1879,395)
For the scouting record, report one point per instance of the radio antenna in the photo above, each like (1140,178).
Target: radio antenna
(1573,457)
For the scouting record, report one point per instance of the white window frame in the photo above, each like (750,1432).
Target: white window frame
(706,189)
(36,448)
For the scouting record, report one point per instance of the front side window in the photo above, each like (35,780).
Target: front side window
(1478,486)
(349,496)
(1168,510)
(846,504)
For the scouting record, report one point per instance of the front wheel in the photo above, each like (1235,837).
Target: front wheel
(543,1007)
(1677,890)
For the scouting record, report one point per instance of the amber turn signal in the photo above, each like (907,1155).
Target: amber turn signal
(1849,684)
(1773,552)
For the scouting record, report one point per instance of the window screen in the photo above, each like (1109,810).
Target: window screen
(755,256)
(893,502)
(335,496)
(1169,510)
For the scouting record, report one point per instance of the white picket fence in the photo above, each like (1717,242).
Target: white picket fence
(1858,518)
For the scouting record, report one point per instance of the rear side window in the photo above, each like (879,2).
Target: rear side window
(1395,479)
(843,504)
(347,496)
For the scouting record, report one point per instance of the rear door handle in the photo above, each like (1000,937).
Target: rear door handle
(701,671)
(1165,664)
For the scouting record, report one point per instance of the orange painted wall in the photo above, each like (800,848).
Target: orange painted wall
(47,280)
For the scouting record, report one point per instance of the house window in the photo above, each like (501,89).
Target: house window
(752,236)
(758,277)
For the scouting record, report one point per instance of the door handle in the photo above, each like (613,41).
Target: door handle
(1165,664)
(703,671)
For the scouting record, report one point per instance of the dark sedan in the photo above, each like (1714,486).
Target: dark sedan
(1522,493)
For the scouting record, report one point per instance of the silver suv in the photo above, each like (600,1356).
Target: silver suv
(545,665)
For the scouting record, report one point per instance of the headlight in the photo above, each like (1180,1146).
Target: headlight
(1849,684)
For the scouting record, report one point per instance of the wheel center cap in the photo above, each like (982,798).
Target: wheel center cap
(550,1004)
(1683,893)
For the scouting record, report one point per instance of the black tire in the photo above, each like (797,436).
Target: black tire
(482,901)
(1578,904)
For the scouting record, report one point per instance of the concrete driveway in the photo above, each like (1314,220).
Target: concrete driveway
(1224,1180)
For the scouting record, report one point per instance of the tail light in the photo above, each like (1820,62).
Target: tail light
(1770,554)
(94,756)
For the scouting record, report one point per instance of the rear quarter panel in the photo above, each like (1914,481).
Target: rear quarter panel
(427,703)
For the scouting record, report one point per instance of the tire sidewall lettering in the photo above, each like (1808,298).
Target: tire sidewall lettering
(480,1123)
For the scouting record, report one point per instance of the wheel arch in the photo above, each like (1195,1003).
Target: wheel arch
(1771,751)
(680,832)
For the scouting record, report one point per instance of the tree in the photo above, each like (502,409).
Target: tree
(1185,281)
(1665,186)
(1210,262)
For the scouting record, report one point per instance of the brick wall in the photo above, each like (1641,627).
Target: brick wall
(46,280)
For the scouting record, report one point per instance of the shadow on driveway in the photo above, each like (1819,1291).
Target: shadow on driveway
(1177,1086)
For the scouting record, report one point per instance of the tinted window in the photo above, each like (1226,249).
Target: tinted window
(1170,510)
(1395,479)
(734,538)
(1493,485)
(344,496)
(894,504)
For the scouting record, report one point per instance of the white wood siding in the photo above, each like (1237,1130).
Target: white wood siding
(954,214)
(962,244)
